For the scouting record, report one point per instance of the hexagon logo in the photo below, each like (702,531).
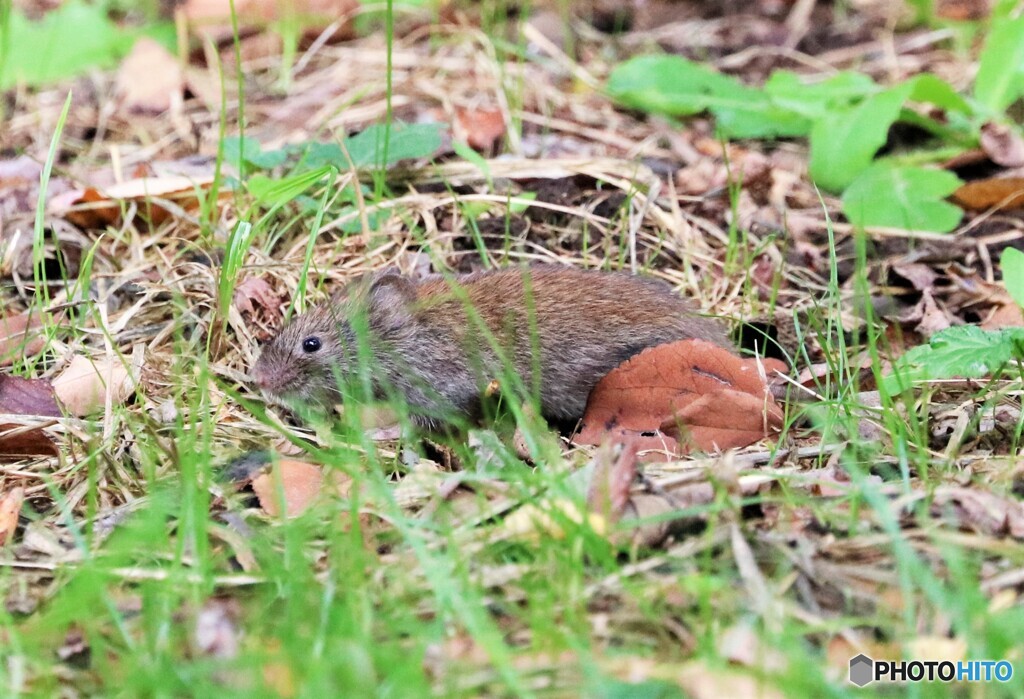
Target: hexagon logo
(861,669)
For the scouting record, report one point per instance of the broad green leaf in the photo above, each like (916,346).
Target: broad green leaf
(791,91)
(314,155)
(844,142)
(903,197)
(404,142)
(269,192)
(1012,264)
(963,350)
(932,89)
(252,153)
(66,42)
(677,87)
(1000,79)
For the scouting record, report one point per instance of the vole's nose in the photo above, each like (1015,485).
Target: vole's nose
(262,379)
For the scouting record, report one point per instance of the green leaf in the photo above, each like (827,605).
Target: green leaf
(404,142)
(252,153)
(520,207)
(315,155)
(66,42)
(677,87)
(930,88)
(1012,264)
(1000,79)
(270,192)
(812,100)
(472,157)
(963,350)
(903,197)
(844,142)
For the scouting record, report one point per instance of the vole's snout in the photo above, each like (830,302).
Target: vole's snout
(264,379)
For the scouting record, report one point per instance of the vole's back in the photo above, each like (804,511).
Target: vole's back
(574,326)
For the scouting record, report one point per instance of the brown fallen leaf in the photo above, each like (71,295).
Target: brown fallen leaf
(91,208)
(21,336)
(20,396)
(82,387)
(1002,144)
(994,192)
(480,128)
(31,397)
(1006,315)
(683,395)
(253,292)
(10,508)
(149,78)
(963,10)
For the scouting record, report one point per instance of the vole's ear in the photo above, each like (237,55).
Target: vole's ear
(391,301)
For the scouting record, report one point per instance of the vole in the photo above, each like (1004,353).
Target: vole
(439,342)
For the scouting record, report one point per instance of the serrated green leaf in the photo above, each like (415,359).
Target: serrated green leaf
(1000,79)
(963,350)
(903,197)
(844,142)
(677,87)
(66,42)
(1012,264)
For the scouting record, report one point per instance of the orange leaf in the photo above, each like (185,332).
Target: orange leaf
(10,507)
(1001,192)
(720,399)
(481,128)
(91,208)
(300,484)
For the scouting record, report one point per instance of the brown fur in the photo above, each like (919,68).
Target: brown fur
(428,339)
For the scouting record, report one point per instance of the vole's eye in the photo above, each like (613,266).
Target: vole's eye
(311,344)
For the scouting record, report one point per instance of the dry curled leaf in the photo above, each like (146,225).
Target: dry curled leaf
(1002,144)
(480,128)
(995,192)
(256,292)
(684,395)
(91,208)
(10,507)
(82,387)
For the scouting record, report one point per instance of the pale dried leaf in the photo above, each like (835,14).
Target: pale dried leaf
(10,508)
(149,78)
(83,385)
(300,485)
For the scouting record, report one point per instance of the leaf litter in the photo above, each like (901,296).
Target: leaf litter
(767,495)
